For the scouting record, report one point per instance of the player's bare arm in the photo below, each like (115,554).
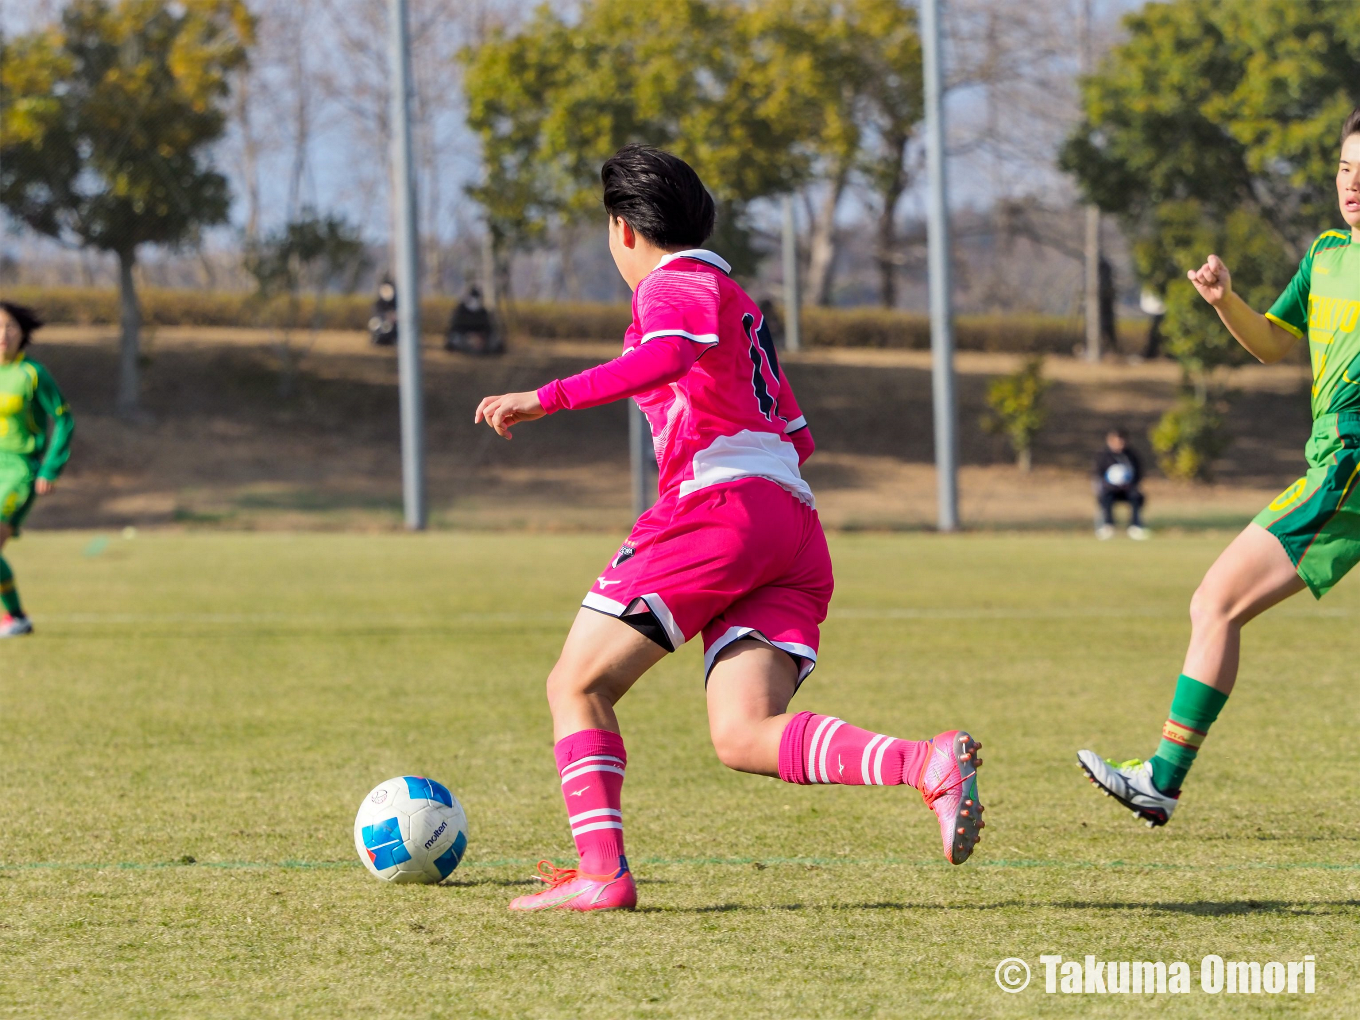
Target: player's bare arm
(507,410)
(1266,341)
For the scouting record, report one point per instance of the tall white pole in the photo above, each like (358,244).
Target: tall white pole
(642,456)
(941,307)
(1092,245)
(408,278)
(793,334)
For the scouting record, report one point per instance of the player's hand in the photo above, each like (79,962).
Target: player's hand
(43,486)
(1212,280)
(507,410)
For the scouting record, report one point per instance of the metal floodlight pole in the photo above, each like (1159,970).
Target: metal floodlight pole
(793,338)
(1092,240)
(642,458)
(408,280)
(941,308)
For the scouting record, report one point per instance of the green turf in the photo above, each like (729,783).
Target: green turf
(229,698)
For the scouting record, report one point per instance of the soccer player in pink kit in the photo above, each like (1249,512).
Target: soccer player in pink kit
(732,549)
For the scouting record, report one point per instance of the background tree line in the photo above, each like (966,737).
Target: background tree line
(1214,127)
(763,98)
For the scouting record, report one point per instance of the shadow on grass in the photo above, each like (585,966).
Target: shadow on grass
(506,883)
(1199,908)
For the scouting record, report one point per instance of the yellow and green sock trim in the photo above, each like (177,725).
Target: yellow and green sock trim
(1193,711)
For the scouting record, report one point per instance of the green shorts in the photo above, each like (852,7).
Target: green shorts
(16,490)
(1315,519)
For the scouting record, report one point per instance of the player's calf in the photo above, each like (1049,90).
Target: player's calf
(824,749)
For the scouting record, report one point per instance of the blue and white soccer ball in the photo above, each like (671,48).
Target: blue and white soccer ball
(411,829)
(1119,475)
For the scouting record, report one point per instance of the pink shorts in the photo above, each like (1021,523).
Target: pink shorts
(738,560)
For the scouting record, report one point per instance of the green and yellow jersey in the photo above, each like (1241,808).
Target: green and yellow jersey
(30,403)
(1322,304)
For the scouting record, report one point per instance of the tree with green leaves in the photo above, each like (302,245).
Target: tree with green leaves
(552,101)
(106,119)
(1212,128)
(311,255)
(760,98)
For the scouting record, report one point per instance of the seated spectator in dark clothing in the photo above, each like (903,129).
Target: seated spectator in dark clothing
(471,329)
(1118,473)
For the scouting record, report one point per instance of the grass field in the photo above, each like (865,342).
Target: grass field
(185,741)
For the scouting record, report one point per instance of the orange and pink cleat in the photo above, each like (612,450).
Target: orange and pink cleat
(569,889)
(949,786)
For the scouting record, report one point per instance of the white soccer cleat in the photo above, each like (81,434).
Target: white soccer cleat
(1104,532)
(1138,533)
(15,626)
(1131,784)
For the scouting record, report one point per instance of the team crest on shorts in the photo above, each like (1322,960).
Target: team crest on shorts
(624,555)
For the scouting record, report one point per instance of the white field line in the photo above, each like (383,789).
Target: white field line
(370,620)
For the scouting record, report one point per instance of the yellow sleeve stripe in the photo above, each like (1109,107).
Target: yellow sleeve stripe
(1298,333)
(1326,234)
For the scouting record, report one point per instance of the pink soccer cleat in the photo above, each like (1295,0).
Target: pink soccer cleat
(949,786)
(568,889)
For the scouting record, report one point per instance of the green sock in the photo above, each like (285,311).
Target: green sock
(9,595)
(1193,710)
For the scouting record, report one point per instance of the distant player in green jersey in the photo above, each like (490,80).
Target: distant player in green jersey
(35,443)
(1309,535)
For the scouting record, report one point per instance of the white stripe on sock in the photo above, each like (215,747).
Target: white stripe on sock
(812,748)
(604,812)
(594,827)
(878,761)
(864,776)
(594,757)
(826,745)
(591,768)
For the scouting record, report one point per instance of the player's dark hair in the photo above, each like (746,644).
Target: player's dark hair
(25,318)
(1352,125)
(659,195)
(1119,431)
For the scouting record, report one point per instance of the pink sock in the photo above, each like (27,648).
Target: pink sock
(591,764)
(823,749)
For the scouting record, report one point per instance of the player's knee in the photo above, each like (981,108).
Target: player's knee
(564,683)
(734,742)
(1210,606)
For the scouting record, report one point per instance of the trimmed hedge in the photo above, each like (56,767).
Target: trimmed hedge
(821,327)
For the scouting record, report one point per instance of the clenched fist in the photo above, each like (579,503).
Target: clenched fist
(1212,280)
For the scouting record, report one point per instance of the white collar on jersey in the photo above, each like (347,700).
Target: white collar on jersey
(702,254)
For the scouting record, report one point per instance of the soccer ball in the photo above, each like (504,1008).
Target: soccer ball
(1119,475)
(411,829)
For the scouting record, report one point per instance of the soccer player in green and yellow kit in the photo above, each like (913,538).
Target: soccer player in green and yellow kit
(30,458)
(1309,535)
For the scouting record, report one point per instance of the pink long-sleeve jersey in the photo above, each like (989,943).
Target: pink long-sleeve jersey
(700,361)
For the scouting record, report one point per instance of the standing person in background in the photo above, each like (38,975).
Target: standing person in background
(30,458)
(1154,308)
(1118,473)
